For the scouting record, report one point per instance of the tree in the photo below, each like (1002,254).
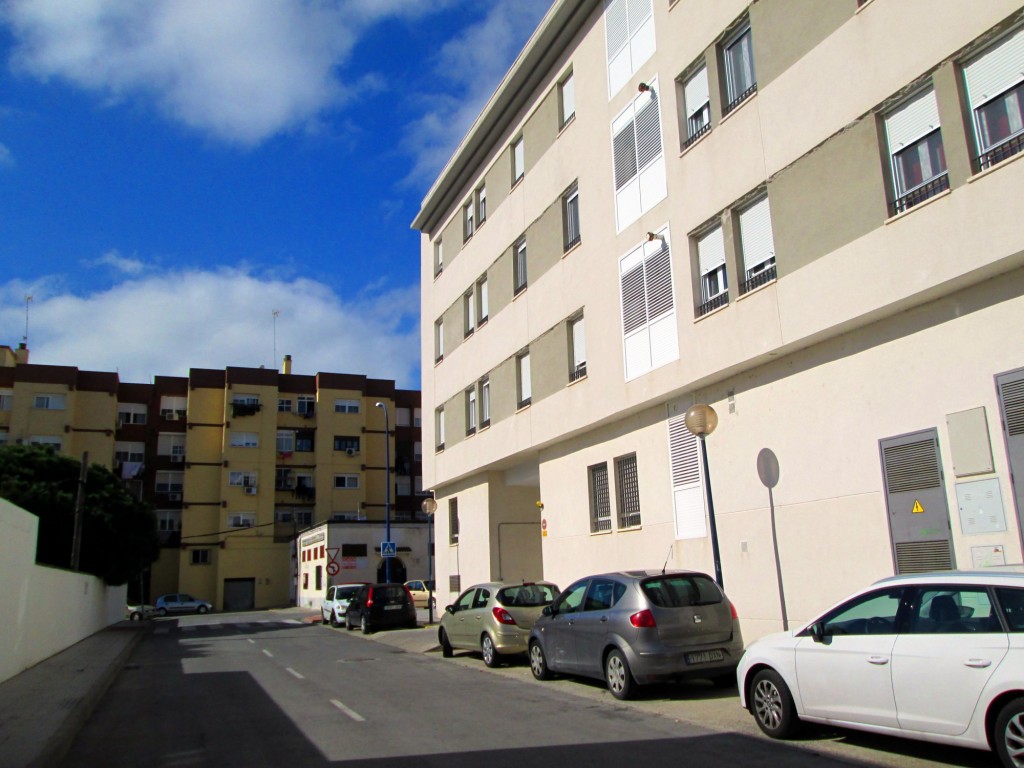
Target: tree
(119,537)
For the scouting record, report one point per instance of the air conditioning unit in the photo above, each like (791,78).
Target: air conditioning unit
(351,451)
(177,458)
(174,497)
(250,490)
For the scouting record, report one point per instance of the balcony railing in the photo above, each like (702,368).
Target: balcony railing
(713,303)
(578,372)
(997,154)
(922,193)
(245,409)
(739,99)
(758,280)
(697,134)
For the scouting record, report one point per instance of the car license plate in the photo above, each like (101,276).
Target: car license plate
(392,607)
(704,657)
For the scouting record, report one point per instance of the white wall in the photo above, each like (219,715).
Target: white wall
(37,598)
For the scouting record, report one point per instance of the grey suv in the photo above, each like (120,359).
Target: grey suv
(637,627)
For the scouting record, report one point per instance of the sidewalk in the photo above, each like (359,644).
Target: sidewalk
(43,708)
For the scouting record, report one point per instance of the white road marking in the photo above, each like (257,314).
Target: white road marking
(296,674)
(351,713)
(268,653)
(251,640)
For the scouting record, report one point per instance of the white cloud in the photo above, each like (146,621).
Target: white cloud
(118,263)
(166,323)
(469,65)
(237,69)
(6,158)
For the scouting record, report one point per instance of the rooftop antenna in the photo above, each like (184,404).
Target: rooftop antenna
(666,560)
(28,300)
(275,313)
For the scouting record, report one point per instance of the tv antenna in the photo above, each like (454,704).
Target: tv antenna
(28,300)
(275,313)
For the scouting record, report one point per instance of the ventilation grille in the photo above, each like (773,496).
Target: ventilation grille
(912,467)
(1013,404)
(923,556)
(683,453)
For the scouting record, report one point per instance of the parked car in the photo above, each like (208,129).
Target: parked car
(638,627)
(376,606)
(936,657)
(494,618)
(421,592)
(335,603)
(181,603)
(139,612)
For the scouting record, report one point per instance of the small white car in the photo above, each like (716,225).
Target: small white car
(335,603)
(937,657)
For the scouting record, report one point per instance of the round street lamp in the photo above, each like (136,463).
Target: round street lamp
(701,421)
(429,507)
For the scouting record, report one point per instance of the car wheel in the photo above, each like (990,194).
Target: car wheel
(491,657)
(617,675)
(446,646)
(202,609)
(323,619)
(161,611)
(334,619)
(772,705)
(538,663)
(349,626)
(1008,734)
(364,625)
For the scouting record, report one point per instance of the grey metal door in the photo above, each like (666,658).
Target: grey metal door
(1011,409)
(915,495)
(239,594)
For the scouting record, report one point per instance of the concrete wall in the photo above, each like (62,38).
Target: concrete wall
(37,598)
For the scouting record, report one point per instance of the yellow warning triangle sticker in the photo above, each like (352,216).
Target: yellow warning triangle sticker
(918,509)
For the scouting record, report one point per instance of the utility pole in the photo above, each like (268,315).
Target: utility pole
(76,541)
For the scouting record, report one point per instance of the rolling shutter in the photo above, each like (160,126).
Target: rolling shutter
(912,121)
(756,236)
(995,70)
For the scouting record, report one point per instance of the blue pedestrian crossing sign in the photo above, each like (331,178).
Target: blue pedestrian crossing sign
(388,549)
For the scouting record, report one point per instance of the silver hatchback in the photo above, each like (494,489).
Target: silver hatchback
(638,627)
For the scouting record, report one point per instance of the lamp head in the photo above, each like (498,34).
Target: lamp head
(429,506)
(701,420)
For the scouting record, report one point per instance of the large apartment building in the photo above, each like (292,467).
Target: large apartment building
(236,462)
(804,214)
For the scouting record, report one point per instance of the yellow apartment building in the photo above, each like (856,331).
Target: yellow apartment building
(236,462)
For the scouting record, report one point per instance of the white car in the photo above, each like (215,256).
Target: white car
(937,657)
(335,603)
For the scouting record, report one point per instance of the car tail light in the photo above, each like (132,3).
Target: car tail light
(732,610)
(503,616)
(369,598)
(643,619)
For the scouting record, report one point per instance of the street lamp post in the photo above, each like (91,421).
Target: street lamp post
(701,421)
(387,489)
(429,507)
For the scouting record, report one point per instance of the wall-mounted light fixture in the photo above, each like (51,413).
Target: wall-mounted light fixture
(651,237)
(643,88)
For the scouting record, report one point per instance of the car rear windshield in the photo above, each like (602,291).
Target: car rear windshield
(527,595)
(346,593)
(681,590)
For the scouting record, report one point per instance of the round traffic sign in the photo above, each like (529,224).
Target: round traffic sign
(333,569)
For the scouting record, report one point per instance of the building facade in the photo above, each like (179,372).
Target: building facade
(802,214)
(235,462)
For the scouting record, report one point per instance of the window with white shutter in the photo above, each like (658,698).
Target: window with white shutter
(995,90)
(638,157)
(697,99)
(439,425)
(567,98)
(758,245)
(649,334)
(518,160)
(915,146)
(481,300)
(523,373)
(629,37)
(439,340)
(714,283)
(578,339)
(687,491)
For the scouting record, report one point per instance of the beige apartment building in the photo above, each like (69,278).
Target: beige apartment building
(237,463)
(804,214)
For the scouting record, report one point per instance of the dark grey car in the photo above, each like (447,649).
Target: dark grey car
(638,627)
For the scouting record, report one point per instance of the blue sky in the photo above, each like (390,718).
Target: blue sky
(173,171)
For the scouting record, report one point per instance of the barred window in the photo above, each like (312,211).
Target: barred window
(453,521)
(600,501)
(627,489)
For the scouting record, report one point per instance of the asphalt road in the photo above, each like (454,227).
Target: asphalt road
(253,690)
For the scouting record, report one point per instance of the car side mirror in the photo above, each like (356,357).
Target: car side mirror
(818,633)
(450,609)
(548,610)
